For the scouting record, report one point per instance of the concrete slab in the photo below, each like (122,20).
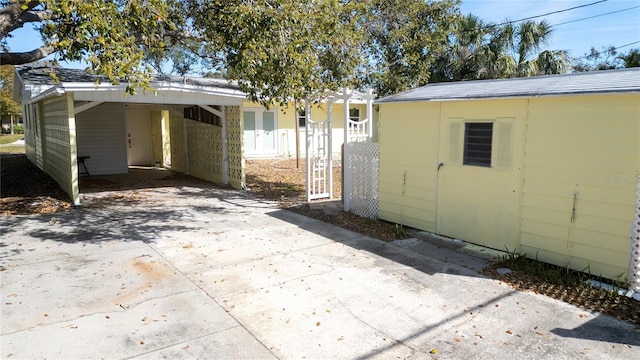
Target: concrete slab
(190,272)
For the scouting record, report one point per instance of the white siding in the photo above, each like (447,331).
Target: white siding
(101,135)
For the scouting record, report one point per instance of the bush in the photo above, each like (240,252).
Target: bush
(17,129)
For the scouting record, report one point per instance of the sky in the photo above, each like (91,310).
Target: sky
(610,23)
(600,30)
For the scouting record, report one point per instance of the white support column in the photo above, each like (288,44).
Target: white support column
(307,114)
(346,176)
(330,101)
(369,96)
(225,143)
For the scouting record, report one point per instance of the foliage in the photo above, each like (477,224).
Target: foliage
(7,104)
(606,59)
(276,50)
(480,50)
(403,40)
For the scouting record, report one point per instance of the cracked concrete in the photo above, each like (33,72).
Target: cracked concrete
(190,271)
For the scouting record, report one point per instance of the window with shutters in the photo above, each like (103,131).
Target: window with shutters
(478,138)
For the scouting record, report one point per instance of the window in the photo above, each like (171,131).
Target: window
(354,114)
(302,118)
(477,144)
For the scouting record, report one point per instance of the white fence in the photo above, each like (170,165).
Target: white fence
(361,166)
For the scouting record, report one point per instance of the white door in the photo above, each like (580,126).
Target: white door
(260,132)
(139,143)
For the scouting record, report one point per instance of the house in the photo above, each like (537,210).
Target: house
(546,166)
(272,132)
(193,126)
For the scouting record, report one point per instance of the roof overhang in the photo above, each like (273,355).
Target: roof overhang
(161,93)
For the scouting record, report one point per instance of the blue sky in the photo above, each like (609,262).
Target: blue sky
(578,37)
(617,29)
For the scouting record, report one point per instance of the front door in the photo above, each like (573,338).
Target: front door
(478,184)
(139,141)
(260,132)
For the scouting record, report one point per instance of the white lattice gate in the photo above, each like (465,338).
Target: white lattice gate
(319,156)
(361,163)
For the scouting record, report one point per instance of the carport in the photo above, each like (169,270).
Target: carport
(81,125)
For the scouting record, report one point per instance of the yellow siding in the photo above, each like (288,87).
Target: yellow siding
(408,158)
(565,195)
(482,204)
(582,152)
(59,148)
(178,144)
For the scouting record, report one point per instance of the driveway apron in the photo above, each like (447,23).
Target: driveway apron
(194,272)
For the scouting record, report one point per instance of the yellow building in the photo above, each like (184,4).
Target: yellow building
(272,132)
(545,166)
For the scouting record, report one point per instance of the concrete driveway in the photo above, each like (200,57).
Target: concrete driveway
(198,272)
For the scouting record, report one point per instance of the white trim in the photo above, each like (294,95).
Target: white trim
(84,107)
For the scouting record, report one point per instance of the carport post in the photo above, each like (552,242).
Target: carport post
(225,142)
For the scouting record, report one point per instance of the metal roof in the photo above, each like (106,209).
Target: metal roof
(33,84)
(41,76)
(594,82)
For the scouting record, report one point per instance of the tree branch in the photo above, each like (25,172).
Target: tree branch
(27,17)
(10,15)
(25,57)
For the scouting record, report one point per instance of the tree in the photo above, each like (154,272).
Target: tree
(404,38)
(606,59)
(480,50)
(276,50)
(108,35)
(631,59)
(7,104)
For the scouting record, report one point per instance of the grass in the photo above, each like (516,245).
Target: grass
(11,149)
(565,284)
(553,274)
(8,139)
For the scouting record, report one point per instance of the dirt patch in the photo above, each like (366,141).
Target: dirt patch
(283,180)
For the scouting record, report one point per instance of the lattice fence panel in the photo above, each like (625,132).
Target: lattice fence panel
(634,267)
(363,166)
(234,150)
(205,150)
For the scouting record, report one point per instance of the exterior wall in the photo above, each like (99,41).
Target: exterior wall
(205,151)
(101,135)
(31,131)
(582,161)
(287,117)
(59,145)
(177,131)
(568,193)
(408,159)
